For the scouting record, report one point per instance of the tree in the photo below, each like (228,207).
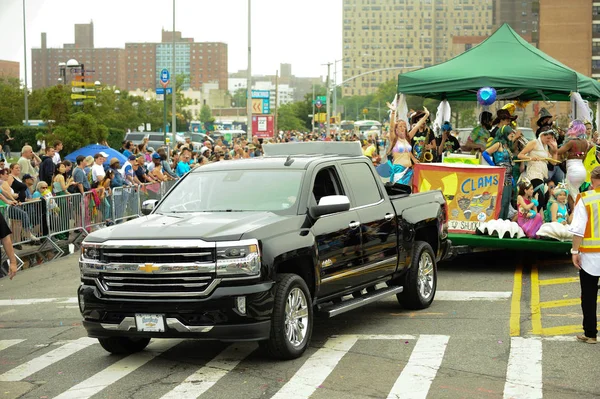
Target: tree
(12,108)
(240,98)
(81,130)
(57,106)
(206,114)
(288,118)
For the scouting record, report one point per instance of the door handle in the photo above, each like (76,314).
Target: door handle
(354,225)
(389,216)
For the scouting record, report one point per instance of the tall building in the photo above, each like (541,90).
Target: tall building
(9,69)
(521,15)
(137,65)
(571,34)
(392,36)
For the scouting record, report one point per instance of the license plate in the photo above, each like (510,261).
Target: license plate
(150,322)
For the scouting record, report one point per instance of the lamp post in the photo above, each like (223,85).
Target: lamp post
(63,73)
(26,90)
(249,77)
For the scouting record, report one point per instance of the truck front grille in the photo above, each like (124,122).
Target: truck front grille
(156,285)
(158,255)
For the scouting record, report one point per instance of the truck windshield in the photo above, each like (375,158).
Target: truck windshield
(234,191)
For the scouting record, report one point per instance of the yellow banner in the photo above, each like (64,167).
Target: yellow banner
(473,193)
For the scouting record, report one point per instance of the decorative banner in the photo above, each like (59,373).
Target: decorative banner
(461,159)
(473,192)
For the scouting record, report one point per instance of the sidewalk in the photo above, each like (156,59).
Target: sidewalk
(57,278)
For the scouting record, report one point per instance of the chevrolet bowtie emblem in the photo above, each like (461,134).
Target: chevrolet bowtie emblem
(148,268)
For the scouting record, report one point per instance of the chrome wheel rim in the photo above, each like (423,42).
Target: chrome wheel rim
(296,317)
(426,275)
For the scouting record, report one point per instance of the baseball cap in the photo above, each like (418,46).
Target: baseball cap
(114,161)
(131,158)
(156,155)
(203,150)
(101,154)
(150,149)
(27,176)
(446,127)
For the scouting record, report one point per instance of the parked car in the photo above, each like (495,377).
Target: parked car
(311,229)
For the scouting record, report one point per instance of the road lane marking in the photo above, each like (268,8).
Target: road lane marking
(7,343)
(9,311)
(204,378)
(536,313)
(118,370)
(420,371)
(561,303)
(565,280)
(316,369)
(472,295)
(41,362)
(30,301)
(524,371)
(515,303)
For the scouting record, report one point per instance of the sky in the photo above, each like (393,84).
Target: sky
(304,33)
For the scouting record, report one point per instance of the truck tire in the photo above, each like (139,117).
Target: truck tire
(123,345)
(292,319)
(421,279)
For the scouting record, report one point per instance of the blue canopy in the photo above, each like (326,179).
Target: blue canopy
(93,149)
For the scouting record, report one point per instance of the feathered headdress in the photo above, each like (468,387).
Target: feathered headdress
(561,188)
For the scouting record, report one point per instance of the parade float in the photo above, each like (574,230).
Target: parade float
(474,191)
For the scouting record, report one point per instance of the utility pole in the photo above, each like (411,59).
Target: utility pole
(313,104)
(276,102)
(25,54)
(249,78)
(327,101)
(174,86)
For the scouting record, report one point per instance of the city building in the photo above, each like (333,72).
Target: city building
(137,66)
(572,34)
(106,65)
(521,15)
(382,38)
(9,69)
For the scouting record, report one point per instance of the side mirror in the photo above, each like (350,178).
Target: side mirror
(330,204)
(148,206)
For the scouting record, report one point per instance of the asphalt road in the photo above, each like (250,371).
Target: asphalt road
(500,327)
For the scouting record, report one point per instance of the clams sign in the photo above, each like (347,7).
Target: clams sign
(473,192)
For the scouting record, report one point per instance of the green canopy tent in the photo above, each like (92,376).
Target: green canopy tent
(506,62)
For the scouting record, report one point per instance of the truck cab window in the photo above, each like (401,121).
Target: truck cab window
(362,184)
(326,183)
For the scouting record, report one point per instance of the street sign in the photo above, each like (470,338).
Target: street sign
(161,90)
(80,96)
(78,70)
(82,77)
(264,94)
(263,126)
(261,106)
(318,104)
(77,102)
(165,76)
(81,89)
(82,84)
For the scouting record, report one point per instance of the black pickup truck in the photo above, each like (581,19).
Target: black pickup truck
(252,250)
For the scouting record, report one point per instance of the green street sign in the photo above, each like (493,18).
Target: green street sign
(323,99)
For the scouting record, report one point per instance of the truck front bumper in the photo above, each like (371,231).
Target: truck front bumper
(213,318)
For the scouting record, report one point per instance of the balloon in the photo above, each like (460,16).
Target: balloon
(486,95)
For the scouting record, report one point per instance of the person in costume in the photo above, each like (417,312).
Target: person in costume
(447,143)
(423,131)
(478,139)
(557,206)
(499,154)
(591,161)
(537,153)
(400,149)
(544,120)
(576,147)
(529,219)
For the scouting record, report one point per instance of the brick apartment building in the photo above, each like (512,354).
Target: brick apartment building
(134,67)
(9,69)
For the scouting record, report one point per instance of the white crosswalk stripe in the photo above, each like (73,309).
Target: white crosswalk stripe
(41,362)
(414,380)
(203,379)
(118,370)
(425,360)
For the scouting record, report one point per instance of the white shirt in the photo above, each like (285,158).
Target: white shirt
(56,158)
(590,261)
(98,172)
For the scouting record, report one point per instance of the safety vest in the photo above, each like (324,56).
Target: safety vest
(590,162)
(591,237)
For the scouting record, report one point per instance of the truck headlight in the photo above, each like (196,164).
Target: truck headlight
(90,252)
(240,259)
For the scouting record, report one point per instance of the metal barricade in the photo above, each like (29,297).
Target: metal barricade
(27,222)
(64,215)
(97,209)
(150,191)
(125,203)
(166,186)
